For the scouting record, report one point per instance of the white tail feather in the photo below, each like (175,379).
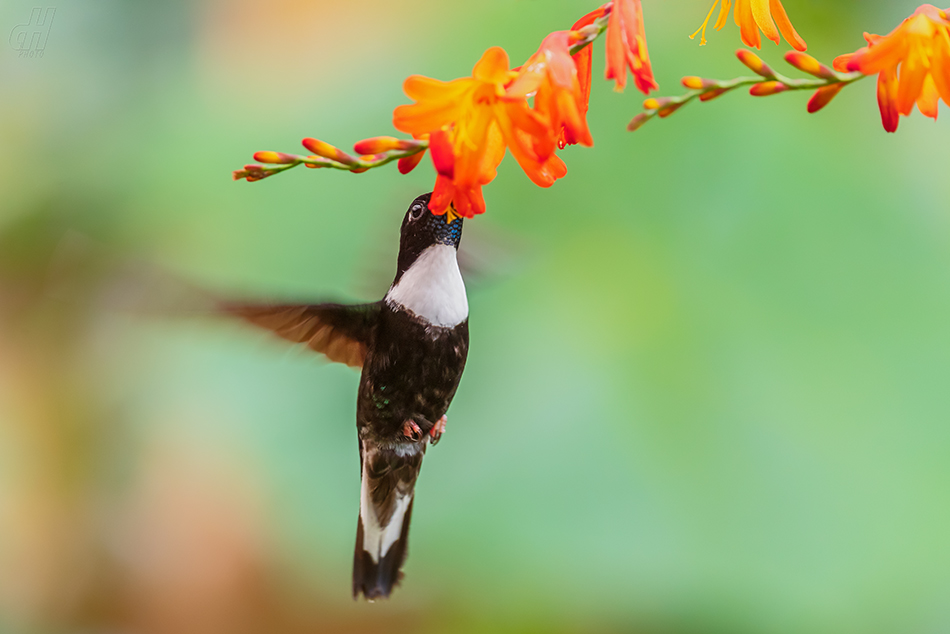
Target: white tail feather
(377,540)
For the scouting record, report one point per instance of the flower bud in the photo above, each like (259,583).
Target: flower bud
(712,94)
(638,122)
(274,157)
(755,63)
(380,144)
(669,108)
(693,83)
(841,62)
(808,64)
(252,172)
(823,97)
(767,88)
(326,150)
(408,163)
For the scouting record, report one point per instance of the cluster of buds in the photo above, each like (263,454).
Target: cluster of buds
(370,153)
(827,83)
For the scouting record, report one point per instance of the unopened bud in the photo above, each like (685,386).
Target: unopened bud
(638,122)
(274,157)
(767,88)
(808,64)
(326,150)
(754,63)
(712,94)
(408,163)
(380,144)
(823,97)
(693,83)
(251,173)
(669,108)
(841,62)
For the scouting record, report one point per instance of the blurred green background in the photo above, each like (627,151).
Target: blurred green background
(707,389)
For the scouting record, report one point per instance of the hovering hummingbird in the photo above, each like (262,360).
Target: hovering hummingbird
(411,346)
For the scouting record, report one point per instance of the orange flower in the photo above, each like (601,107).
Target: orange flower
(627,47)
(552,75)
(752,15)
(920,47)
(470,122)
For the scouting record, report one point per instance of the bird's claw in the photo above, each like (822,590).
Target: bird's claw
(437,430)
(412,431)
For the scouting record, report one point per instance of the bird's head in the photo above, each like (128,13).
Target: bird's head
(422,229)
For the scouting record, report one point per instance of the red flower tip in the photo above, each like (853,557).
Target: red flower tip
(443,156)
(408,163)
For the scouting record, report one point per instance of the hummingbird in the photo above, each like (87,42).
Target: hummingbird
(411,347)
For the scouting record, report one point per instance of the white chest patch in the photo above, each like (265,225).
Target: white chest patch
(432,288)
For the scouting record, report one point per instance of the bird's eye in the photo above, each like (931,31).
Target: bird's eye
(416,212)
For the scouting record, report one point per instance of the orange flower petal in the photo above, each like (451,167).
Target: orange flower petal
(616,66)
(420,88)
(940,64)
(748,29)
(785,26)
(763,18)
(492,67)
(929,98)
(912,74)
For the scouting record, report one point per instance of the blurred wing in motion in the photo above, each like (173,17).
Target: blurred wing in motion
(341,332)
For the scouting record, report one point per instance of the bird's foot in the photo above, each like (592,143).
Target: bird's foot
(437,430)
(412,431)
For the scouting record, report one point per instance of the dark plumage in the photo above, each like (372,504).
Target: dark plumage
(412,347)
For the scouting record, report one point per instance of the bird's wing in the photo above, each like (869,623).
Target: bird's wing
(341,332)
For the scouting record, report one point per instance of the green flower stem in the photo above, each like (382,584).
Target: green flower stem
(269,169)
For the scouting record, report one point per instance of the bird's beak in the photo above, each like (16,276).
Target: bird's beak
(451,214)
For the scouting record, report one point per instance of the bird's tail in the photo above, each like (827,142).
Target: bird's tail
(382,532)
